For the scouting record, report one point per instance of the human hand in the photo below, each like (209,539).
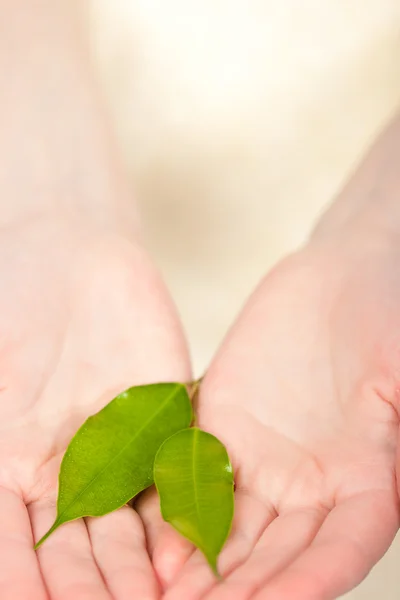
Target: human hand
(305,394)
(83,315)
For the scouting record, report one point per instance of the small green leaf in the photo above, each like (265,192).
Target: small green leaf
(110,459)
(194,479)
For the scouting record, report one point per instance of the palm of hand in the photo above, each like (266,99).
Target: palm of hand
(303,393)
(83,316)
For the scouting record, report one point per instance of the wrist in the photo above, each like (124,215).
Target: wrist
(76,208)
(368,206)
(57,155)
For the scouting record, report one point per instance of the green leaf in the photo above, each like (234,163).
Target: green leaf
(194,479)
(110,459)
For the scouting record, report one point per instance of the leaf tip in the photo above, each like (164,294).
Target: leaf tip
(46,535)
(214,569)
(38,544)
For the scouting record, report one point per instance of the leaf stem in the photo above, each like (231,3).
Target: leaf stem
(193,389)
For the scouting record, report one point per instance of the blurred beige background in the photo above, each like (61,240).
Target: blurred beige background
(239,120)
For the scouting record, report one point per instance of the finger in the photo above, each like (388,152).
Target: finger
(67,563)
(119,547)
(20,573)
(279,544)
(251,519)
(168,549)
(170,554)
(353,538)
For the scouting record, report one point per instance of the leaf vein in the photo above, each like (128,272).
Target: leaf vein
(116,456)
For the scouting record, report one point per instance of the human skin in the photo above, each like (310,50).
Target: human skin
(83,312)
(305,394)
(303,391)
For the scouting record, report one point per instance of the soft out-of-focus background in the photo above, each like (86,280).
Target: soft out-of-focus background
(239,120)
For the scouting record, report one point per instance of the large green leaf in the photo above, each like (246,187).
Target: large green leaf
(194,479)
(110,459)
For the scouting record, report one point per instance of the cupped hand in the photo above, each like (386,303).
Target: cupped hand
(305,393)
(83,315)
